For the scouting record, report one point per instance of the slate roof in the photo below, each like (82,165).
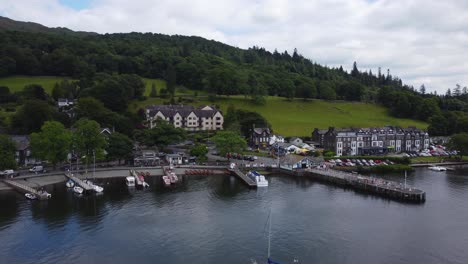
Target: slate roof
(21,141)
(259,130)
(183,110)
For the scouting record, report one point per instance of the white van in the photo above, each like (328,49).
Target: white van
(37,168)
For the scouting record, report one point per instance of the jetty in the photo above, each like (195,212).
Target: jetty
(246,179)
(26,189)
(88,188)
(377,186)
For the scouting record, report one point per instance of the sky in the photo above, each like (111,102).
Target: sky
(420,41)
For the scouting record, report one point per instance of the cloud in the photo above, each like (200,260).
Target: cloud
(421,41)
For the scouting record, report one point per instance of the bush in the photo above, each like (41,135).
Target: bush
(329,154)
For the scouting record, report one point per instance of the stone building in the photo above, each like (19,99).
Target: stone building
(374,141)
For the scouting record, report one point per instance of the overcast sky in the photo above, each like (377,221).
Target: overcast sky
(421,41)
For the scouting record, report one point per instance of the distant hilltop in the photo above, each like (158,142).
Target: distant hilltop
(10,24)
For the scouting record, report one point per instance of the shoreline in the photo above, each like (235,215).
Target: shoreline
(43,180)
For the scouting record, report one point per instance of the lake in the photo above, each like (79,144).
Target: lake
(217,219)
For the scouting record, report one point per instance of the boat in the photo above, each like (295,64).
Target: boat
(173,178)
(258,178)
(437,168)
(30,196)
(70,184)
(130,181)
(78,190)
(166,180)
(95,187)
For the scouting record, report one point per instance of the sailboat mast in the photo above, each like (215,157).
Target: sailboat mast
(269,236)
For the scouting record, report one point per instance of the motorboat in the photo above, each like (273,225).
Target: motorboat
(130,181)
(70,184)
(30,196)
(437,168)
(259,179)
(166,180)
(95,187)
(78,190)
(173,178)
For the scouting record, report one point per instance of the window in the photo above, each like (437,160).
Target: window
(374,137)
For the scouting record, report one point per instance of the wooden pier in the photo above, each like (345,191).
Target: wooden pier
(88,188)
(377,186)
(246,179)
(26,189)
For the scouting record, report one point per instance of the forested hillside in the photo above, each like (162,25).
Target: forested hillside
(217,69)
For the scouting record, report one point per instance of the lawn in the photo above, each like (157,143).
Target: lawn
(17,83)
(299,117)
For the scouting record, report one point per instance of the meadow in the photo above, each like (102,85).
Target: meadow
(17,83)
(287,117)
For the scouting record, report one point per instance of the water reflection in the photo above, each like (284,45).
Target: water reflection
(9,209)
(217,219)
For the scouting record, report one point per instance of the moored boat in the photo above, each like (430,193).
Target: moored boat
(78,190)
(95,187)
(70,184)
(259,179)
(130,181)
(30,196)
(166,180)
(173,178)
(437,168)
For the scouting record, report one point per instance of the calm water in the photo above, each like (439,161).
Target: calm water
(216,219)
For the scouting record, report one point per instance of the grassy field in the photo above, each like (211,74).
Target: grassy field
(288,118)
(17,83)
(299,117)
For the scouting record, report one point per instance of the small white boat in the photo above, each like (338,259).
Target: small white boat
(70,184)
(96,188)
(166,180)
(30,196)
(437,168)
(130,181)
(78,190)
(173,178)
(258,178)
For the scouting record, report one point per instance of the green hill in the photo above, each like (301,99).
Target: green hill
(299,117)
(288,117)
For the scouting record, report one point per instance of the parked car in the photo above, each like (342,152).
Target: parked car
(9,173)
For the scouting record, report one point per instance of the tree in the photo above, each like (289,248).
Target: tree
(31,116)
(422,89)
(199,151)
(7,153)
(57,92)
(52,143)
(459,142)
(34,91)
(153,92)
(119,147)
(228,142)
(87,139)
(171,80)
(161,135)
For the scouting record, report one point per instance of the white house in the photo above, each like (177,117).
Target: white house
(276,139)
(186,116)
